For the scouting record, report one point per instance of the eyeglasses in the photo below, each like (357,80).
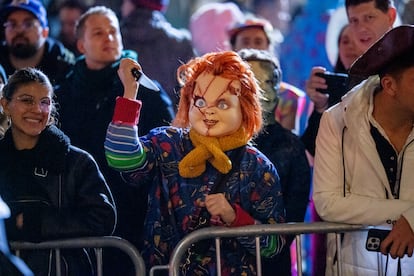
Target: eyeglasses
(29,101)
(25,25)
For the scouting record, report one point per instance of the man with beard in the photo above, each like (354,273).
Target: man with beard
(27,43)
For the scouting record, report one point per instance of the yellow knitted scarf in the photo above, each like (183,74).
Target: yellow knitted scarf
(210,149)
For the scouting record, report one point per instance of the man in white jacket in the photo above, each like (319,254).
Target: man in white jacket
(364,160)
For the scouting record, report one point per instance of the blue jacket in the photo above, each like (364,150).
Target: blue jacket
(255,187)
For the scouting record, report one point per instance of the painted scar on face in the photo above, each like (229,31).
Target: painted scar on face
(200,102)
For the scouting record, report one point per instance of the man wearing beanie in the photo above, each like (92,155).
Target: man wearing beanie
(161,47)
(27,41)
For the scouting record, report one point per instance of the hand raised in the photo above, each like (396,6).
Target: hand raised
(126,77)
(314,82)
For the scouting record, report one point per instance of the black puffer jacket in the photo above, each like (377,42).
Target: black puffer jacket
(57,187)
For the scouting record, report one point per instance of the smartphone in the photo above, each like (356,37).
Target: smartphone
(337,85)
(374,239)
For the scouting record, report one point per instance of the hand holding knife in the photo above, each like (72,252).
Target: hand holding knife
(144,80)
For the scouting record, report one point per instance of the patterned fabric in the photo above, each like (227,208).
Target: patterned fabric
(293,100)
(87,100)
(304,46)
(173,199)
(210,149)
(287,152)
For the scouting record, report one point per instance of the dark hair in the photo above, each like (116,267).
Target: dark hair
(27,76)
(398,65)
(382,5)
(339,65)
(74,4)
(22,77)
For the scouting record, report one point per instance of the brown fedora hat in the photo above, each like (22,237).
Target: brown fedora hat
(396,43)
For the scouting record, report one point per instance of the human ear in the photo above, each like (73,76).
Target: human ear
(45,32)
(4,103)
(392,15)
(79,45)
(389,85)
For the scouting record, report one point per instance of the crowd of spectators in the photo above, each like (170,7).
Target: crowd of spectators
(71,53)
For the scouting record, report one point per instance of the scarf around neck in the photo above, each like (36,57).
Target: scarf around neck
(210,149)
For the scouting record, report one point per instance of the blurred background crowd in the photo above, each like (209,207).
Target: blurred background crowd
(299,25)
(301,34)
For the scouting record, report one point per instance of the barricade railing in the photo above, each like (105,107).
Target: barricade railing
(97,243)
(296,229)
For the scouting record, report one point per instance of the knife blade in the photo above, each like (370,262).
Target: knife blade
(144,80)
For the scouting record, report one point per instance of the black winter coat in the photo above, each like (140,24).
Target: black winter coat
(86,105)
(55,63)
(60,192)
(288,155)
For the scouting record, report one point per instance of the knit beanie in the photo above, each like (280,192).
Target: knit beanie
(158,5)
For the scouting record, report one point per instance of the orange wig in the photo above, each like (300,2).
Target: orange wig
(229,65)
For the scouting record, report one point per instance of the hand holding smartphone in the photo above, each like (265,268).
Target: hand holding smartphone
(374,239)
(337,85)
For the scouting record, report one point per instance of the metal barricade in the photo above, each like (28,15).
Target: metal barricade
(97,243)
(260,230)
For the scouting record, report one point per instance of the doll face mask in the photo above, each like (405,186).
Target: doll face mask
(214,110)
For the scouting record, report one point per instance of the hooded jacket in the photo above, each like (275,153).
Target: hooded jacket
(351,184)
(57,187)
(55,63)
